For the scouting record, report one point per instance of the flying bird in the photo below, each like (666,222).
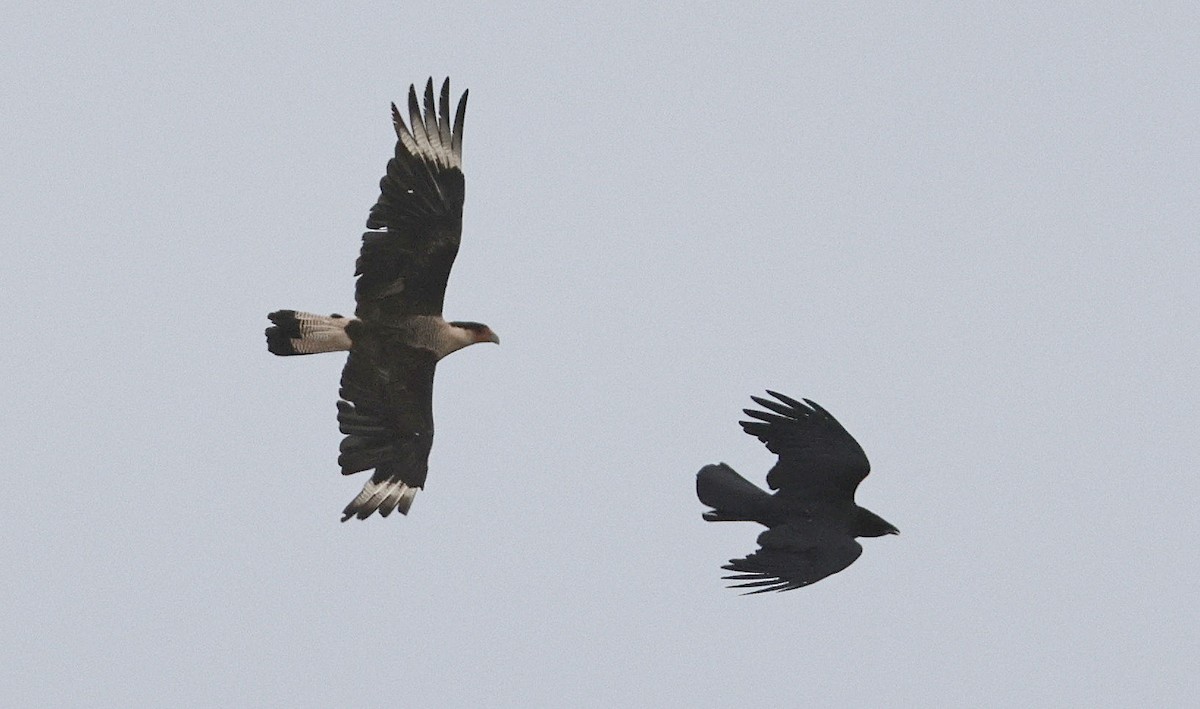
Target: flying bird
(811,519)
(397,334)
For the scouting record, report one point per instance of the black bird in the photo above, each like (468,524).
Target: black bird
(811,519)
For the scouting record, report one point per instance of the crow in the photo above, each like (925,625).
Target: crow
(811,520)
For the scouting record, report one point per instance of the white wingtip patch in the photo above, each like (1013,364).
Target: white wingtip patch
(426,136)
(382,497)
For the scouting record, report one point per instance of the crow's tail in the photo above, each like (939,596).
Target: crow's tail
(732,497)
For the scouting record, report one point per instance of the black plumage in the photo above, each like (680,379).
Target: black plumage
(402,271)
(812,520)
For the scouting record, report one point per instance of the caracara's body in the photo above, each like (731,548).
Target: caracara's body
(397,334)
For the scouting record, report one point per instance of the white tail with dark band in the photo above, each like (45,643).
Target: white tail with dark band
(297,333)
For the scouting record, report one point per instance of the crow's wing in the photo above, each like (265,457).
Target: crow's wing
(791,556)
(818,459)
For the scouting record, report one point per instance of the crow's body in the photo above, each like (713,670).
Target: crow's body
(812,520)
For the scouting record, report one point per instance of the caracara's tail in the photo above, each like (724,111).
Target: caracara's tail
(732,497)
(296,333)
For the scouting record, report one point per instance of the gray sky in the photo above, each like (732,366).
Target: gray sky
(969,232)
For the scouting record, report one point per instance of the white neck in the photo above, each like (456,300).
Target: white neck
(452,338)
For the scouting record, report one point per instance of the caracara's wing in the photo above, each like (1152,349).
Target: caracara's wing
(403,269)
(793,555)
(818,459)
(387,416)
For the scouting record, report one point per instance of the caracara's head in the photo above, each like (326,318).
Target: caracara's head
(478,332)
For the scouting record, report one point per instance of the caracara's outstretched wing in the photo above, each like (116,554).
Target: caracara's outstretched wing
(818,459)
(387,384)
(793,555)
(403,270)
(387,416)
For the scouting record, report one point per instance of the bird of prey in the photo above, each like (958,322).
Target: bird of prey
(397,334)
(811,520)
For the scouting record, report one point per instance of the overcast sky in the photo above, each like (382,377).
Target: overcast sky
(969,230)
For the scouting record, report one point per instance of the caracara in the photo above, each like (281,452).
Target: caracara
(397,334)
(811,520)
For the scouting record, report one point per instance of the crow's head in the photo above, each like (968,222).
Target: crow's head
(869,524)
